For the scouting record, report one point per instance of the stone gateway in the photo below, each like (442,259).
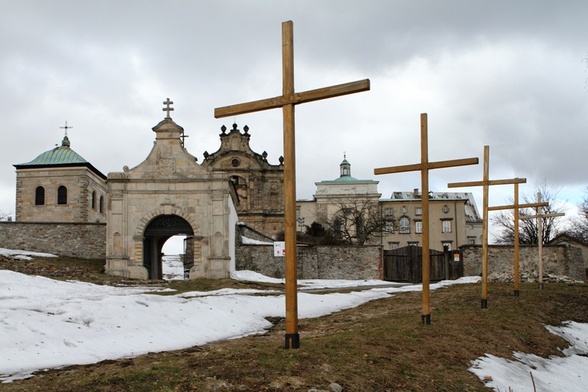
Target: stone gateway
(169,194)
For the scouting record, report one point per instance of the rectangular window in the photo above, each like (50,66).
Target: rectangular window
(413,243)
(472,240)
(388,212)
(389,227)
(418,211)
(404,225)
(447,245)
(418,227)
(446,226)
(393,245)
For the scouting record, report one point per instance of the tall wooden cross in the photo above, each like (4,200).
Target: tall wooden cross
(424,168)
(539,216)
(485,184)
(515,207)
(287,101)
(66,127)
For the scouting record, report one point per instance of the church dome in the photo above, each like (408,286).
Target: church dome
(61,155)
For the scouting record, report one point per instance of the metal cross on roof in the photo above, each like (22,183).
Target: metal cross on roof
(66,127)
(168,109)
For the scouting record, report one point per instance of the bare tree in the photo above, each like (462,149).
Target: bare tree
(528,233)
(356,221)
(579,225)
(4,216)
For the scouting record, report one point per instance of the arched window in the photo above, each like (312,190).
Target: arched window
(101,204)
(62,195)
(404,225)
(94,200)
(40,196)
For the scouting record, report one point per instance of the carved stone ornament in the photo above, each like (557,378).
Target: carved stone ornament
(166,166)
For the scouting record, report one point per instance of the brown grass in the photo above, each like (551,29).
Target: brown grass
(380,346)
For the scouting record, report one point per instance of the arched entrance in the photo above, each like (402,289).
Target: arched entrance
(157,232)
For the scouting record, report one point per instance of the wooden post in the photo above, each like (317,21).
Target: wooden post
(485,184)
(539,216)
(516,206)
(287,101)
(424,168)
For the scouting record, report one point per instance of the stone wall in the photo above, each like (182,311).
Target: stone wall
(558,260)
(82,240)
(315,262)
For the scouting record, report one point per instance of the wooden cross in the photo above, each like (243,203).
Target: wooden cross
(515,206)
(168,108)
(66,127)
(287,101)
(539,218)
(424,168)
(485,184)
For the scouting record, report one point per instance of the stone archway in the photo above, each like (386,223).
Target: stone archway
(157,232)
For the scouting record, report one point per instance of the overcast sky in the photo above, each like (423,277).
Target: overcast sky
(509,74)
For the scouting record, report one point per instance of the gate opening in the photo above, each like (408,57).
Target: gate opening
(156,235)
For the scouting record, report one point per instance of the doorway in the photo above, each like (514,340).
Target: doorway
(157,232)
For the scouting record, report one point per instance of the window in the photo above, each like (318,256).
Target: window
(446,226)
(447,245)
(40,196)
(389,227)
(388,212)
(94,200)
(393,245)
(101,205)
(472,240)
(404,225)
(413,243)
(418,211)
(418,227)
(62,195)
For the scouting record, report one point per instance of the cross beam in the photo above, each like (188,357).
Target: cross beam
(168,107)
(66,127)
(486,183)
(515,207)
(287,101)
(539,217)
(424,168)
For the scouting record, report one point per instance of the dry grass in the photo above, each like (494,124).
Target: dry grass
(380,346)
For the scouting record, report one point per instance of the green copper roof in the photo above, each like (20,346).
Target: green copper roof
(62,155)
(344,179)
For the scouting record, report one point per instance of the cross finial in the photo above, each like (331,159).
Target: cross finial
(66,127)
(168,109)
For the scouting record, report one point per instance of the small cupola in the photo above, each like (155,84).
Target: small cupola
(345,167)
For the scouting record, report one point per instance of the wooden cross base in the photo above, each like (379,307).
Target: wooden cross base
(517,293)
(292,341)
(484,303)
(426,319)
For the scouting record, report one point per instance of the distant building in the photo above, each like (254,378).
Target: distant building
(259,184)
(454,218)
(60,186)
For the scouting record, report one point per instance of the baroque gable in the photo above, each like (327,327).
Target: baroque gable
(168,158)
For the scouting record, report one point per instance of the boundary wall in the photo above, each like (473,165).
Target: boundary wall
(81,240)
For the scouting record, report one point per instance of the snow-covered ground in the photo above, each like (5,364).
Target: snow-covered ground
(46,323)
